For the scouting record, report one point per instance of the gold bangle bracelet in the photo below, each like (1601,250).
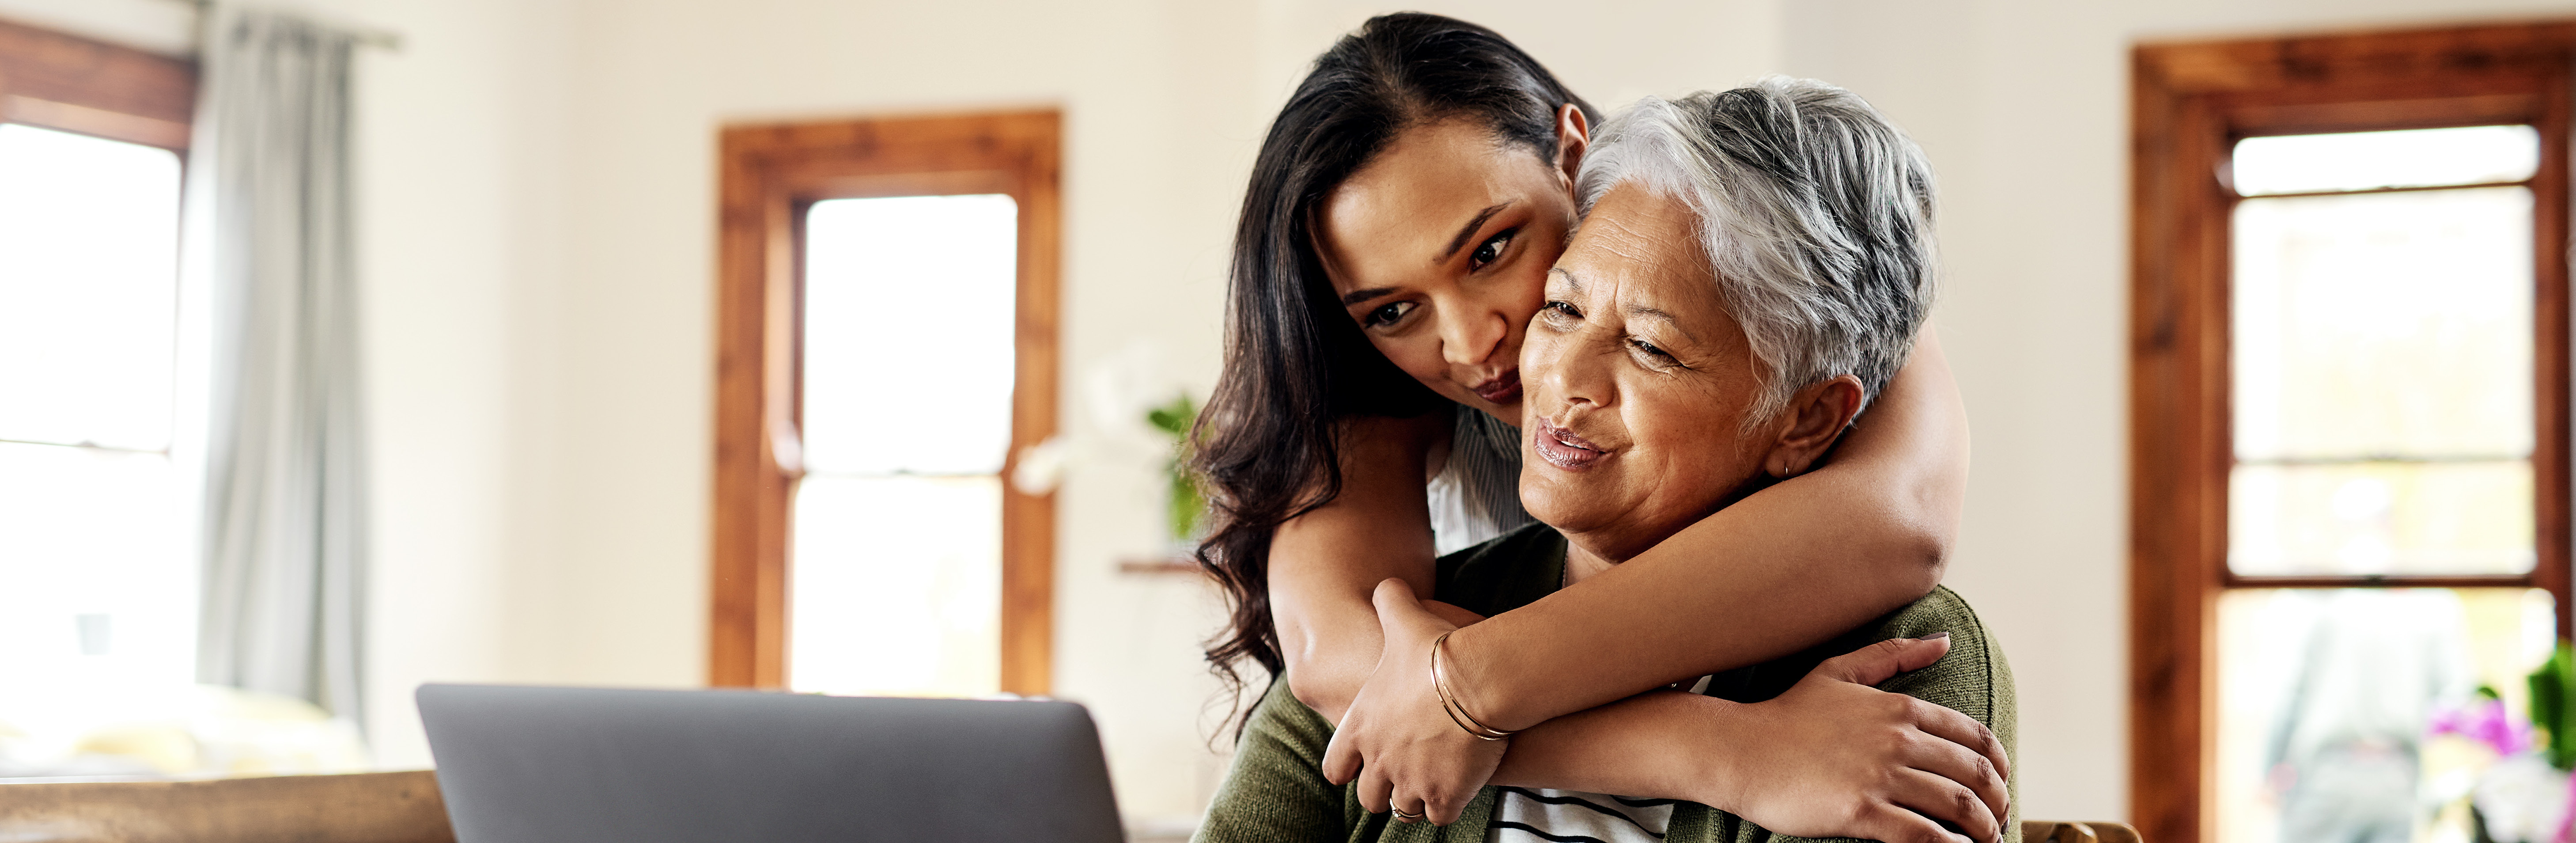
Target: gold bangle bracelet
(1449,700)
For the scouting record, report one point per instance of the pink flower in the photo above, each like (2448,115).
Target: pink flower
(2484,720)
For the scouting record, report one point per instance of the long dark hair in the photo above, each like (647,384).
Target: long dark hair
(1294,362)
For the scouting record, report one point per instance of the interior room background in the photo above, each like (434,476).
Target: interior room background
(537,200)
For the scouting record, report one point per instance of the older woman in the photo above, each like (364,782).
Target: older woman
(1750,273)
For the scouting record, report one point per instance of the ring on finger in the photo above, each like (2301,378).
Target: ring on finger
(1403,816)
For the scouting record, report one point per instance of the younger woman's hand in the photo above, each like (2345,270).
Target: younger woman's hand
(1395,738)
(1834,757)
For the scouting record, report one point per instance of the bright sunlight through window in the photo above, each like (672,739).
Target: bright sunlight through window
(2367,160)
(908,371)
(97,573)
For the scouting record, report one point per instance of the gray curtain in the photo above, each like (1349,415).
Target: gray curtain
(285,530)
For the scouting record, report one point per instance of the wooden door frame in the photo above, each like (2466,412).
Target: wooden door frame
(770,174)
(2190,103)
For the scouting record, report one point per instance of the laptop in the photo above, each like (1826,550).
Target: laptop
(571,765)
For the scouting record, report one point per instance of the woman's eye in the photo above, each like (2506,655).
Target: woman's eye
(1559,316)
(1490,250)
(1386,314)
(1650,351)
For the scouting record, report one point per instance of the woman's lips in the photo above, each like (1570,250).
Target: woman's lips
(1561,448)
(1504,388)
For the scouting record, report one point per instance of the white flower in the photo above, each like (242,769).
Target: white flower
(2522,798)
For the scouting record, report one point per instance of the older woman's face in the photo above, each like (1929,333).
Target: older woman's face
(1639,382)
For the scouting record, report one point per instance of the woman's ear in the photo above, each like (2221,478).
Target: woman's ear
(1573,136)
(1817,416)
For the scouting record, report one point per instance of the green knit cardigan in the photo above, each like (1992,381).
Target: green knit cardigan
(1276,792)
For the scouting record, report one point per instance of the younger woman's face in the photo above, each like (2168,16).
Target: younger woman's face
(1439,248)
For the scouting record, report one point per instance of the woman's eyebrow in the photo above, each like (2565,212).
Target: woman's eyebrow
(1642,311)
(1356,296)
(1469,230)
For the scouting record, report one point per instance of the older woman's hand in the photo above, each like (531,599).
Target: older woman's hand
(1395,737)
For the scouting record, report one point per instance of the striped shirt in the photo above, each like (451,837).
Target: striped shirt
(1523,815)
(1530,815)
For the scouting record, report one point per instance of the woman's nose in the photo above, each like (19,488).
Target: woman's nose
(1591,371)
(1567,371)
(1472,334)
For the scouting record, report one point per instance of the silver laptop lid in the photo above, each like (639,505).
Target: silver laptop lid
(568,765)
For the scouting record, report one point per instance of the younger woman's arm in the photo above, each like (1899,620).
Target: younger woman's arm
(1832,757)
(1784,569)
(1324,564)
(1787,765)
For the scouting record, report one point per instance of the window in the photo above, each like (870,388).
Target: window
(97,478)
(95,524)
(887,353)
(2382,345)
(2350,393)
(896,553)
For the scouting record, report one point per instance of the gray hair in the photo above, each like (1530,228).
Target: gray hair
(1814,211)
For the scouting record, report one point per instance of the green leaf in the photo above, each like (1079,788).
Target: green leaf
(2553,687)
(1176,417)
(1185,506)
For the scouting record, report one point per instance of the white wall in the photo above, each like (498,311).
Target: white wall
(159,26)
(460,138)
(539,190)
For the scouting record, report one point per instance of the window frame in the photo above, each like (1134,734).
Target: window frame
(771,173)
(69,83)
(2190,103)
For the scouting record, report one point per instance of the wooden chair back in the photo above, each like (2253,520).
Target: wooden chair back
(2060,831)
(354,808)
